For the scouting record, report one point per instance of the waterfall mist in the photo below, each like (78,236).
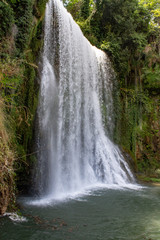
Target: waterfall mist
(75,150)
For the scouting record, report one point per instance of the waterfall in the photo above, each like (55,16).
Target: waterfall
(75,151)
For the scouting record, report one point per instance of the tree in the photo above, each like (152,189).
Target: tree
(152,6)
(74,7)
(85,9)
(121,27)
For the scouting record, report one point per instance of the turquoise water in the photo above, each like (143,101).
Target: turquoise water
(104,214)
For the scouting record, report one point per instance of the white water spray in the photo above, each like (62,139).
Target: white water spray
(75,152)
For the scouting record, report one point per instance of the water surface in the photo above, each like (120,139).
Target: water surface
(102,214)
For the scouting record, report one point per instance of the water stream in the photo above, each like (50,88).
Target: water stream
(76,84)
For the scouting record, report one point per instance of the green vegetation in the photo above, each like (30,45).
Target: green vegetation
(7,19)
(21,40)
(149,179)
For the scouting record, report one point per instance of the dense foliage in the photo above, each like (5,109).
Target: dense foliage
(7,19)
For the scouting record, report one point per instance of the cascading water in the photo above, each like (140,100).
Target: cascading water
(75,152)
